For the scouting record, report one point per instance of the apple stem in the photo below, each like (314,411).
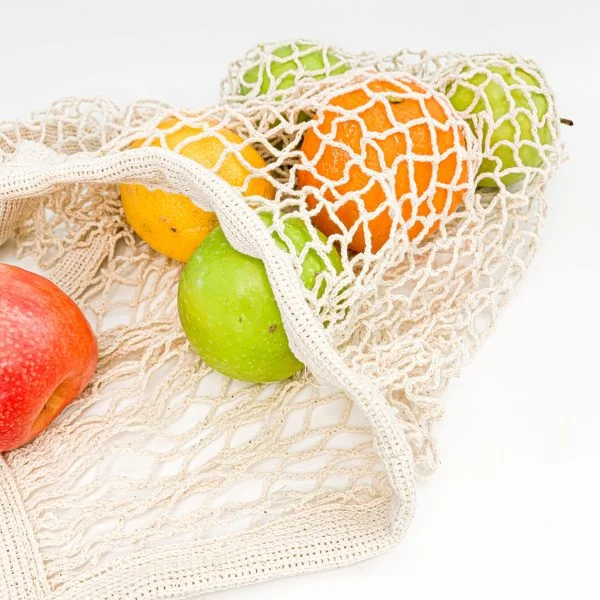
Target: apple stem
(567,122)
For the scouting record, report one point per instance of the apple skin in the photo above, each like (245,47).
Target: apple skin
(228,311)
(48,354)
(284,72)
(492,103)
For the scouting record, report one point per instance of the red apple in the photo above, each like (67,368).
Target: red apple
(48,354)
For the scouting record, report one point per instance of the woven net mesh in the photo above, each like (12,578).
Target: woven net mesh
(161,451)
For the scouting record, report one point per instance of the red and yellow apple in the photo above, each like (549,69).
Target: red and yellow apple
(48,354)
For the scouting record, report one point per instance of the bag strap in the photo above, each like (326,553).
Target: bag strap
(39,171)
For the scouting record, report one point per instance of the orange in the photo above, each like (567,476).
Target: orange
(356,137)
(170,223)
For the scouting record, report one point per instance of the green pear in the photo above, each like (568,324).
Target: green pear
(508,107)
(282,67)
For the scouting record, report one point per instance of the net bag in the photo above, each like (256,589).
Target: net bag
(166,479)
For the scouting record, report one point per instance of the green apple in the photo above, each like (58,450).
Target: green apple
(487,93)
(228,311)
(281,68)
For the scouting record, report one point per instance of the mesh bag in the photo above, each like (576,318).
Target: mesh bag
(166,479)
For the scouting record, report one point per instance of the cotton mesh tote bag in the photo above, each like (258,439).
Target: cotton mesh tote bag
(424,175)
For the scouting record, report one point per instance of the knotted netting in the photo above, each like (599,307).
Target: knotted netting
(166,479)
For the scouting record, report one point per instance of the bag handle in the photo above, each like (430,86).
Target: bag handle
(36,169)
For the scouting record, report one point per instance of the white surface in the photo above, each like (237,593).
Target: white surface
(513,509)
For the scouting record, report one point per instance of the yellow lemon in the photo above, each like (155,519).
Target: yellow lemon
(171,223)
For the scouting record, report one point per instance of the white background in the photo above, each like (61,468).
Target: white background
(513,510)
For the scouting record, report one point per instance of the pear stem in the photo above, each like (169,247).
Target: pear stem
(567,122)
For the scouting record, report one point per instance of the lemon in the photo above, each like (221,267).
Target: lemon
(170,223)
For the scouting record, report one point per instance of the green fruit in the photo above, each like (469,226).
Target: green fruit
(279,74)
(228,310)
(476,94)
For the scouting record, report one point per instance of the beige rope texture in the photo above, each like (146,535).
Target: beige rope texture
(167,480)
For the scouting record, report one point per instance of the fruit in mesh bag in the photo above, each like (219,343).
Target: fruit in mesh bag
(170,223)
(48,354)
(228,310)
(507,105)
(383,141)
(282,67)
